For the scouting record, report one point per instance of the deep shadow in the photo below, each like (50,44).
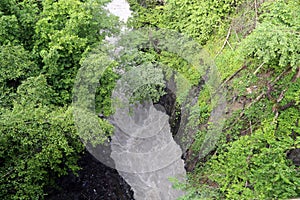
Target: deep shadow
(95,181)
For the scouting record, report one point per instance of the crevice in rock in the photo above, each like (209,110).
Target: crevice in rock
(94,181)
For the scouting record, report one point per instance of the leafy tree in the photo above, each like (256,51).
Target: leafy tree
(256,166)
(42,43)
(63,33)
(16,65)
(198,19)
(18,19)
(38,143)
(56,34)
(250,162)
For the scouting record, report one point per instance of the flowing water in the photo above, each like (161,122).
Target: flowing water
(147,174)
(119,8)
(143,149)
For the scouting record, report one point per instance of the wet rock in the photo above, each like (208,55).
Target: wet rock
(294,155)
(94,181)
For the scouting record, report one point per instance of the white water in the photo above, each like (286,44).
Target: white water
(146,163)
(119,8)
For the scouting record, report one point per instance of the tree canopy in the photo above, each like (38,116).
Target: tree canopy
(254,44)
(42,43)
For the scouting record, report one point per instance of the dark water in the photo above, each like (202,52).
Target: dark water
(94,182)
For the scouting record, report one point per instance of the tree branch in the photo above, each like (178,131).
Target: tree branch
(259,97)
(233,75)
(297,75)
(256,13)
(226,41)
(255,72)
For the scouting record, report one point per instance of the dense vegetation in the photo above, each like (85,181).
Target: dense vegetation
(255,45)
(256,48)
(42,43)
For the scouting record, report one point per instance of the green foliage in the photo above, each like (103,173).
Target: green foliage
(149,3)
(203,192)
(256,167)
(229,62)
(107,83)
(18,21)
(276,40)
(151,85)
(56,34)
(274,45)
(89,96)
(16,65)
(42,43)
(140,65)
(197,19)
(9,29)
(181,66)
(38,143)
(282,13)
(63,34)
(34,91)
(293,94)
